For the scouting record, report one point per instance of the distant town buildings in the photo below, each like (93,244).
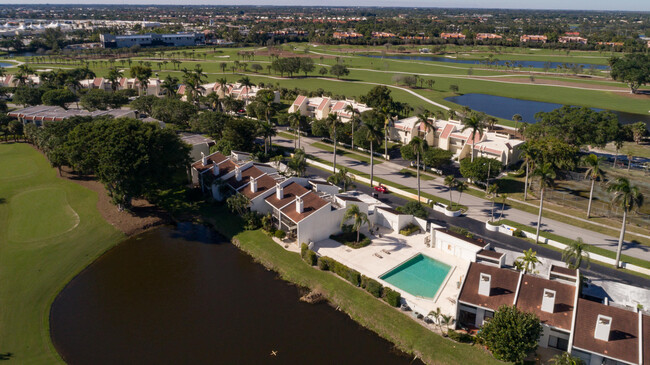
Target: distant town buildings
(347,35)
(572,39)
(530,38)
(452,36)
(152,40)
(42,113)
(487,36)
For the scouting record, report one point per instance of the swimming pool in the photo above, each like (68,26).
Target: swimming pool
(421,276)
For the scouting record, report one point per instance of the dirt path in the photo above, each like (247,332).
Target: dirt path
(143,216)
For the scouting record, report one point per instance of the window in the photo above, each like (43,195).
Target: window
(558,343)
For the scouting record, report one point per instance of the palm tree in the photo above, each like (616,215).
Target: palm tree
(359,219)
(114,76)
(333,122)
(594,172)
(628,197)
(222,82)
(435,314)
(247,83)
(493,190)
(417,145)
(295,120)
(374,135)
(349,108)
(388,121)
(298,163)
(423,119)
(142,74)
(342,177)
(238,203)
(169,85)
(460,187)
(528,261)
(517,118)
(546,176)
(574,253)
(528,155)
(474,122)
(445,320)
(266,130)
(450,182)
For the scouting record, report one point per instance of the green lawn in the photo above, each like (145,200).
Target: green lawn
(50,230)
(343,152)
(369,311)
(590,248)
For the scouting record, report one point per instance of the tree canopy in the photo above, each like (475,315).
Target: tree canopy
(632,69)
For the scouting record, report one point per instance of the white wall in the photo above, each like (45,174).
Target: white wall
(320,224)
(454,246)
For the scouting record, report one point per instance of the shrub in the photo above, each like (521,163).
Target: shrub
(392,297)
(414,208)
(511,334)
(280,234)
(303,250)
(519,233)
(350,239)
(409,229)
(252,220)
(372,286)
(324,263)
(460,337)
(345,272)
(311,258)
(462,231)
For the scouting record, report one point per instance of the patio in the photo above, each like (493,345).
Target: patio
(390,249)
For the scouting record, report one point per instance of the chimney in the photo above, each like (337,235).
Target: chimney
(548,301)
(300,205)
(484,284)
(215,170)
(237,174)
(603,327)
(279,192)
(204,160)
(254,185)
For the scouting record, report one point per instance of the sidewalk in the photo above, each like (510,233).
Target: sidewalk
(478,208)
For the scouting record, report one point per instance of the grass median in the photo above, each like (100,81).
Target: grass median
(343,152)
(590,248)
(370,312)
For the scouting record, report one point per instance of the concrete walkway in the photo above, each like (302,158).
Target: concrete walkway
(478,208)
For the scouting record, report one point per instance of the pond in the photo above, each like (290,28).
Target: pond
(504,107)
(534,64)
(184,295)
(5,64)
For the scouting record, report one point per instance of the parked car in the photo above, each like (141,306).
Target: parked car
(381,188)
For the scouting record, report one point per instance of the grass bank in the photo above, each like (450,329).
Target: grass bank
(365,309)
(50,230)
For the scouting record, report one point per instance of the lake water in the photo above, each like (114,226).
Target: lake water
(504,107)
(182,295)
(5,64)
(534,64)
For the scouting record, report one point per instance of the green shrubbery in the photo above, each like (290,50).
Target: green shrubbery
(353,276)
(372,286)
(392,297)
(308,255)
(519,233)
(350,239)
(280,234)
(409,229)
(460,337)
(462,231)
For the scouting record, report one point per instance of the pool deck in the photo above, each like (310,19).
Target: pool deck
(366,260)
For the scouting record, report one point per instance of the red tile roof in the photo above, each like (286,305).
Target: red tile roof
(530,300)
(623,341)
(447,131)
(504,286)
(322,104)
(299,100)
(211,160)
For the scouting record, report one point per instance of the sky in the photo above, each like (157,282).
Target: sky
(629,5)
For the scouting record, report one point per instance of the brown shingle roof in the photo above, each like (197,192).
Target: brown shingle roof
(211,160)
(530,300)
(246,175)
(492,254)
(461,237)
(264,184)
(311,203)
(504,286)
(291,191)
(564,271)
(623,341)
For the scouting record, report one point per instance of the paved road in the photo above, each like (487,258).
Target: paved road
(503,241)
(478,209)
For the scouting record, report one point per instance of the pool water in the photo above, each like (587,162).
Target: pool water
(421,276)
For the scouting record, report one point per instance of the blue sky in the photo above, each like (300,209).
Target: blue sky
(631,5)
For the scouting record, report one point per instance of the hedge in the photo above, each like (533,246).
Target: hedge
(392,297)
(372,286)
(353,276)
(409,229)
(460,337)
